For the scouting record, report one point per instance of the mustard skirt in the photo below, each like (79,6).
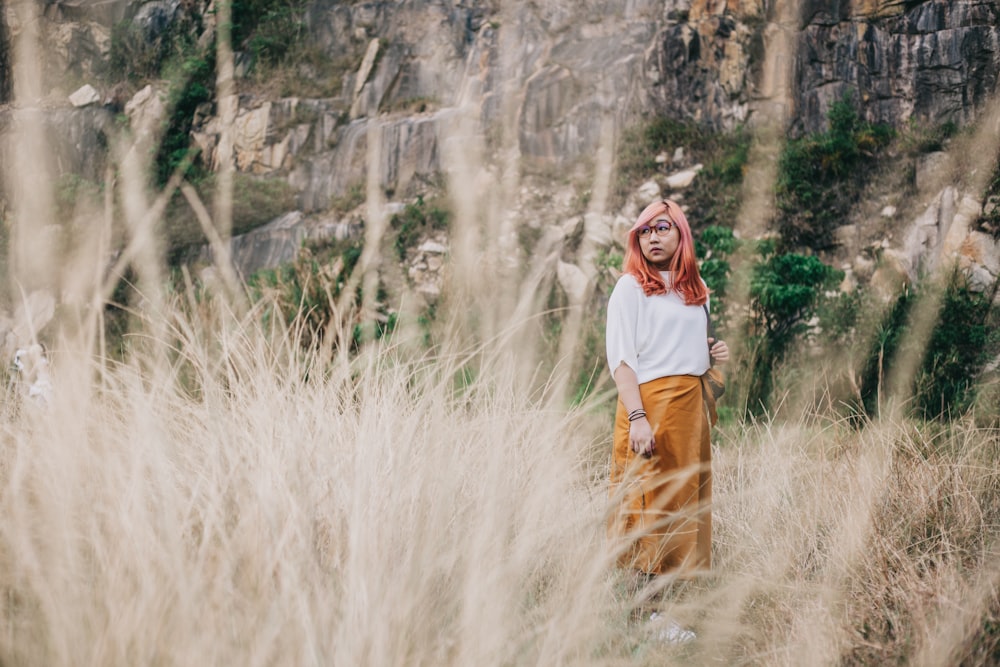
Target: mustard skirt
(662,521)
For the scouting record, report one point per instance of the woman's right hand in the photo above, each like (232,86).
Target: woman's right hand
(640,436)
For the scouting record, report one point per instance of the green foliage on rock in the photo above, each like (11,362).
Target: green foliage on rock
(305,294)
(785,293)
(713,198)
(192,84)
(989,220)
(820,176)
(713,247)
(416,219)
(137,55)
(965,337)
(268,29)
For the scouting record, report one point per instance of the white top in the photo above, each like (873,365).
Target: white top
(655,335)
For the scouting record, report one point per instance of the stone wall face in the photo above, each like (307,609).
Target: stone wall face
(5,72)
(546,77)
(936,62)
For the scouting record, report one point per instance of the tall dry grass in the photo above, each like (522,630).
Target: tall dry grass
(231,499)
(225,497)
(245,505)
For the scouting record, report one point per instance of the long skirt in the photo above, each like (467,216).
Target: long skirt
(663,521)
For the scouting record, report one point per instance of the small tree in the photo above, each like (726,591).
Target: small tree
(785,290)
(714,247)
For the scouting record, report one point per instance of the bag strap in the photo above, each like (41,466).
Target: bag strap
(708,320)
(711,332)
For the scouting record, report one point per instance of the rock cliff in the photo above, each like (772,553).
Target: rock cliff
(934,61)
(554,69)
(542,81)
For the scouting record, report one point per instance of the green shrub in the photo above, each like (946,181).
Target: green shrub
(713,198)
(417,219)
(917,138)
(713,247)
(138,57)
(821,175)
(192,84)
(716,194)
(133,57)
(989,220)
(268,29)
(302,293)
(887,335)
(785,293)
(965,338)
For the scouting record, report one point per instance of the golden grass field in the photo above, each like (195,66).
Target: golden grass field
(229,499)
(227,496)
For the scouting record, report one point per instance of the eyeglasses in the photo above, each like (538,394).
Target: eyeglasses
(661,229)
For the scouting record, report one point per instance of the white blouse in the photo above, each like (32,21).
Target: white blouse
(656,335)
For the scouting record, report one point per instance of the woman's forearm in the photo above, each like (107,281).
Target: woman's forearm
(640,434)
(628,387)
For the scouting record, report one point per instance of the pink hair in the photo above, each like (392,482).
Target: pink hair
(684,265)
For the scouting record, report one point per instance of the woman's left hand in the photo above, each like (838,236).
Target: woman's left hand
(719,350)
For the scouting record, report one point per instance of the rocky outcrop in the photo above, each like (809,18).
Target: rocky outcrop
(543,81)
(77,139)
(933,61)
(5,63)
(699,67)
(106,12)
(279,241)
(940,236)
(557,68)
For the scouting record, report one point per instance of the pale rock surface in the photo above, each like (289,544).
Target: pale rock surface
(573,281)
(572,226)
(683,179)
(78,47)
(84,96)
(982,249)
(426,267)
(146,112)
(863,267)
(432,247)
(846,235)
(922,241)
(278,242)
(597,228)
(364,71)
(270,245)
(891,275)
(253,153)
(649,191)
(619,229)
(850,282)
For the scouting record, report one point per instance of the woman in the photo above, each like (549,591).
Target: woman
(658,348)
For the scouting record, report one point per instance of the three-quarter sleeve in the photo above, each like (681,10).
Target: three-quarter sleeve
(620,335)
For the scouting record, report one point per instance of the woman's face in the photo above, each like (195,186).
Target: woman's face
(658,241)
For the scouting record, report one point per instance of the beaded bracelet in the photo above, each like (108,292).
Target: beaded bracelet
(638,413)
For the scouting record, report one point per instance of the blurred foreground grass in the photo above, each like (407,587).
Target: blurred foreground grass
(228,498)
